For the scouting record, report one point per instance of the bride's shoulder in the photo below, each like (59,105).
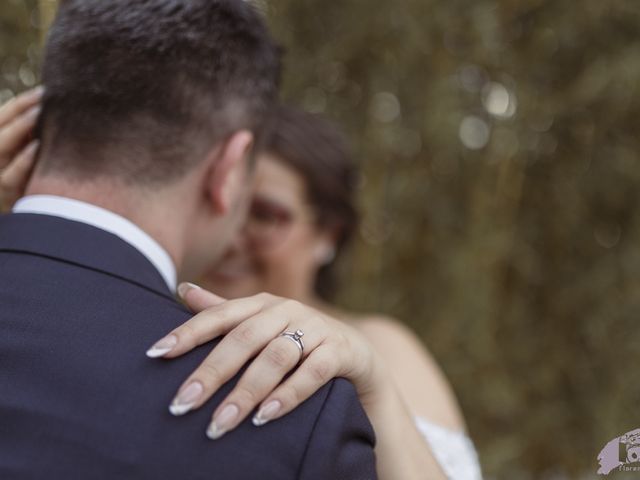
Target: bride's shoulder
(413,367)
(379,324)
(391,334)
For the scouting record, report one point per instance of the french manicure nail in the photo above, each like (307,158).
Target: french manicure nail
(34,111)
(183,288)
(186,399)
(162,346)
(32,148)
(222,422)
(267,413)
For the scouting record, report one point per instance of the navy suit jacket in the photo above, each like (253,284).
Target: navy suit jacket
(80,400)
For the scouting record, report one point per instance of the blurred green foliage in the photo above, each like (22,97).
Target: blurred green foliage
(499,149)
(20,47)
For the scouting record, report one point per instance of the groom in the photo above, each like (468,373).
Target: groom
(151,114)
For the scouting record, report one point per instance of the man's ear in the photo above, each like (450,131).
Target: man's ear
(227,176)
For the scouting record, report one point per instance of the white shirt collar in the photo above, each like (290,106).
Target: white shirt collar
(105,220)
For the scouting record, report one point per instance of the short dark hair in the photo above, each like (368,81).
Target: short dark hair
(318,150)
(142,89)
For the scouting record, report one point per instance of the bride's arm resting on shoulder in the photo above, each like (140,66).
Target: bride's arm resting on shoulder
(427,395)
(18,118)
(251,328)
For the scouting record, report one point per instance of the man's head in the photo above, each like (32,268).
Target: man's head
(145,93)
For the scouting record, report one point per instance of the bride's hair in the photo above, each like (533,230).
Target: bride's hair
(317,149)
(143,89)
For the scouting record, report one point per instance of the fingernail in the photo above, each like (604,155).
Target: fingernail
(31,149)
(183,288)
(34,111)
(186,399)
(267,413)
(33,145)
(37,91)
(162,346)
(222,422)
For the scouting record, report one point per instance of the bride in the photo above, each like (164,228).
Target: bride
(301,218)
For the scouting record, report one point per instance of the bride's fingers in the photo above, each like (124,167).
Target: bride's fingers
(264,374)
(197,298)
(17,133)
(322,365)
(205,326)
(14,179)
(17,173)
(226,360)
(19,105)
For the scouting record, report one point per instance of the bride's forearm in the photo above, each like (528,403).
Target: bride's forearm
(401,450)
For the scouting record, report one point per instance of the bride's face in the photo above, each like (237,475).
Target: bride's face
(276,251)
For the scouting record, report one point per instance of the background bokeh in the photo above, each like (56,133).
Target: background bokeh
(499,145)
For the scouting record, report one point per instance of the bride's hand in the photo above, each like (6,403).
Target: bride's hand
(252,327)
(18,118)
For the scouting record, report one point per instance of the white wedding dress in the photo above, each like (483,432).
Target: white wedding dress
(453,450)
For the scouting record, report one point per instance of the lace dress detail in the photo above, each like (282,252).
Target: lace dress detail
(453,450)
